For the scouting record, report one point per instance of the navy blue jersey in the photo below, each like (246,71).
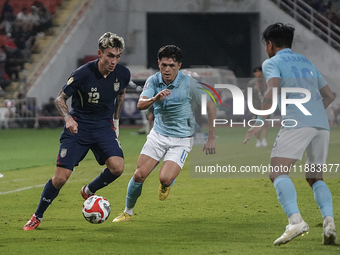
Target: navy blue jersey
(93,96)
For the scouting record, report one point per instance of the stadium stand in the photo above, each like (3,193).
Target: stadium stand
(321,17)
(29,43)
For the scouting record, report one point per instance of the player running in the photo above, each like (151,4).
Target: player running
(172,94)
(285,68)
(98,91)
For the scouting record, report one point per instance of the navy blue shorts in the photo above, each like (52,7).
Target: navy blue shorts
(74,147)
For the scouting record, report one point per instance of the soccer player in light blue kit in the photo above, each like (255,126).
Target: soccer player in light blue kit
(173,95)
(308,133)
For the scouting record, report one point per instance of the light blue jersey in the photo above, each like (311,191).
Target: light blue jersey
(174,114)
(295,70)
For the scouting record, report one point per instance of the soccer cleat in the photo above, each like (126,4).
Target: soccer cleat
(123,217)
(83,194)
(264,143)
(291,232)
(32,223)
(163,192)
(258,144)
(329,234)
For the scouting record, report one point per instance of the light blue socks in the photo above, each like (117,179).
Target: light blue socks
(286,194)
(323,198)
(134,190)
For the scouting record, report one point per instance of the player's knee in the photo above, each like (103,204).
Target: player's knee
(60,177)
(165,181)
(116,170)
(59,181)
(138,176)
(116,166)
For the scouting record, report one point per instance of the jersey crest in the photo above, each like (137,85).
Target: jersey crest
(116,85)
(63,153)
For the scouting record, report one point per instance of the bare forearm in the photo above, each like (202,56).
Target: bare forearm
(266,104)
(274,85)
(327,96)
(144,103)
(120,100)
(61,105)
(211,110)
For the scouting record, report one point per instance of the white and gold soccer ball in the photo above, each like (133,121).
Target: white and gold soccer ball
(96,209)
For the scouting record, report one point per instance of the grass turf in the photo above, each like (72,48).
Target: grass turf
(201,215)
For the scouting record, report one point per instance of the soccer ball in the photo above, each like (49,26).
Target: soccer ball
(96,209)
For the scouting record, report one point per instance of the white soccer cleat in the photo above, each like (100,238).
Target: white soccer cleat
(264,143)
(258,144)
(329,234)
(291,232)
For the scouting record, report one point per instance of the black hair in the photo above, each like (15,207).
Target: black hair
(170,51)
(257,68)
(281,35)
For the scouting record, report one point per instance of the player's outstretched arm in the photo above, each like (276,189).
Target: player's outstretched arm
(145,102)
(210,145)
(70,123)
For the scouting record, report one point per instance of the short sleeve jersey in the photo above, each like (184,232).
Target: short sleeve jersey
(93,96)
(174,114)
(295,70)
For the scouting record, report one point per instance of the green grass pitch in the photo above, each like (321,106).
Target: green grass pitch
(201,215)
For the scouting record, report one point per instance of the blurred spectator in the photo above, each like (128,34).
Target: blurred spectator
(18,35)
(7,9)
(24,40)
(34,19)
(6,24)
(7,112)
(49,109)
(14,62)
(9,43)
(23,16)
(38,4)
(2,92)
(2,56)
(5,81)
(27,111)
(45,19)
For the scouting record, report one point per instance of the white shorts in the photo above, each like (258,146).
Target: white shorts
(175,149)
(292,143)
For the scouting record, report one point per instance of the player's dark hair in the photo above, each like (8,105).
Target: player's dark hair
(257,68)
(281,35)
(170,51)
(110,40)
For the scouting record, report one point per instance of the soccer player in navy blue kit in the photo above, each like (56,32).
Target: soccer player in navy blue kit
(98,91)
(310,134)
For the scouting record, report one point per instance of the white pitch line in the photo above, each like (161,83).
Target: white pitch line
(17,190)
(42,185)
